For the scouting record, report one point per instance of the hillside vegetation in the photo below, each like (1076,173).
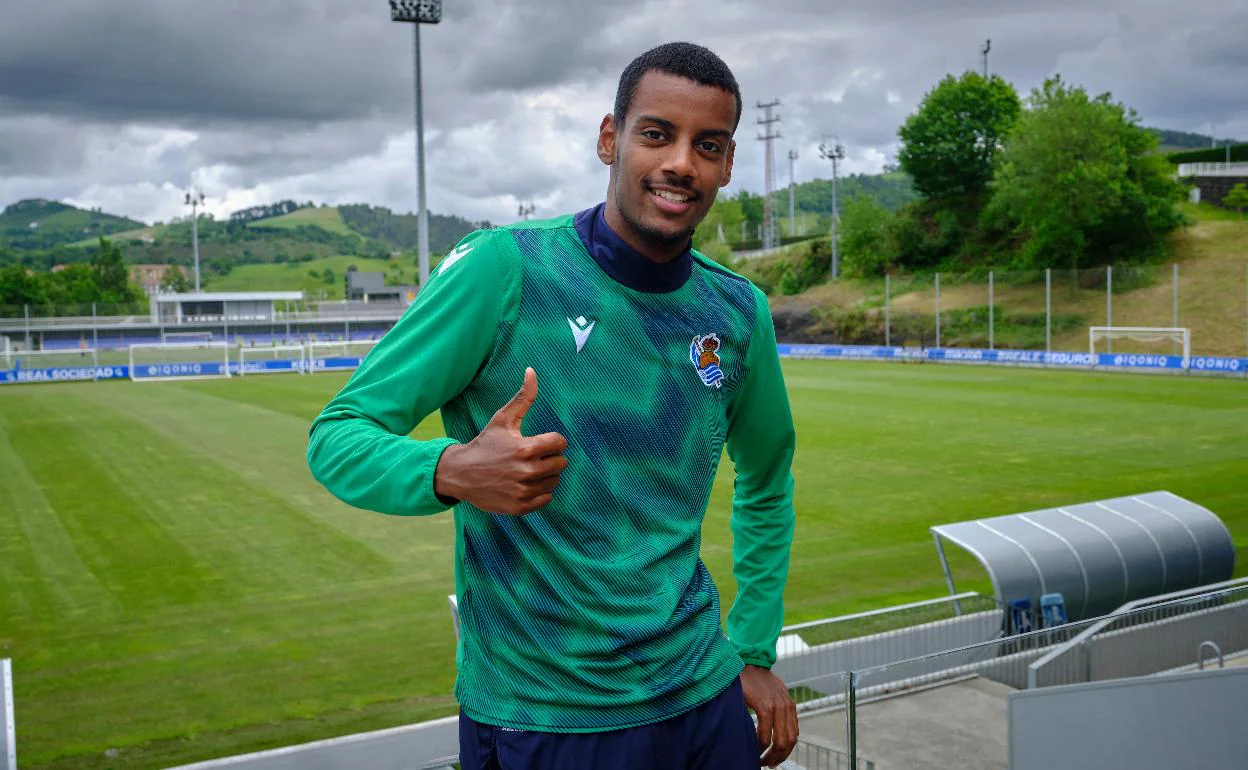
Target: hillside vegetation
(40,224)
(1211,254)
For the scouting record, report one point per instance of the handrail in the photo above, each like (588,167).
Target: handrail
(876,613)
(1163,600)
(1200,654)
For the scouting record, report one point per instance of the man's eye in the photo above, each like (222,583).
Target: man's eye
(708,147)
(651,133)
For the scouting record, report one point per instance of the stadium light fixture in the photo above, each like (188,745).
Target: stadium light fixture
(195,199)
(417,12)
(836,154)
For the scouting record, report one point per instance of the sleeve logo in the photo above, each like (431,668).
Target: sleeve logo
(703,356)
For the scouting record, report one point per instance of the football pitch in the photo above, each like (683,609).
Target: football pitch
(174,585)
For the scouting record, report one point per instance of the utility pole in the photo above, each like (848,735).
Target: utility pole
(195,199)
(768,138)
(986,49)
(417,12)
(836,154)
(792,185)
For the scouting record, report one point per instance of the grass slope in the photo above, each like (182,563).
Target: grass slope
(175,586)
(327,218)
(1212,256)
(295,276)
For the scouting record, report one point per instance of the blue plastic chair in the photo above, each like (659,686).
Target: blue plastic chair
(1053,610)
(1020,616)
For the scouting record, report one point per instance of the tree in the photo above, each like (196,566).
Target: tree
(1237,198)
(110,273)
(950,144)
(174,280)
(1078,183)
(865,237)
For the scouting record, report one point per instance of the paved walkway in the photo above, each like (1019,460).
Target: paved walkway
(963,724)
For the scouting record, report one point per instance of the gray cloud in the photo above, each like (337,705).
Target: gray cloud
(124,103)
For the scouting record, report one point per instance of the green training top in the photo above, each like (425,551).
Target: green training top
(594,612)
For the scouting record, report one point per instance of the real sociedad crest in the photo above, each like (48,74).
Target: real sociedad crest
(705,358)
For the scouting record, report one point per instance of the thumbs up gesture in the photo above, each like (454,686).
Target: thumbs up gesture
(501,470)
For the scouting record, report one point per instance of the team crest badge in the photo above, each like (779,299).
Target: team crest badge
(703,354)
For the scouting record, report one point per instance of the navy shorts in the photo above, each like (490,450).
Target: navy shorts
(718,735)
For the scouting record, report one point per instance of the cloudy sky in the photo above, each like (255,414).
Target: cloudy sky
(124,103)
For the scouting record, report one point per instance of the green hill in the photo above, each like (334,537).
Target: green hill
(321,278)
(327,218)
(40,224)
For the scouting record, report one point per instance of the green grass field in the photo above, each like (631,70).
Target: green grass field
(174,585)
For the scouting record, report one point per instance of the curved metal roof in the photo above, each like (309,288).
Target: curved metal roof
(1098,555)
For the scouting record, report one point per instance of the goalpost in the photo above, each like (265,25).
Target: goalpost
(179,361)
(1142,334)
(5,347)
(337,356)
(273,359)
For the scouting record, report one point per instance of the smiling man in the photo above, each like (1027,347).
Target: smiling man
(591,633)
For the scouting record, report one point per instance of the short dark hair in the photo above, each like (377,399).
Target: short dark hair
(686,60)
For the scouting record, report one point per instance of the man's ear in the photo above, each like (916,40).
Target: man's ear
(727,177)
(607,136)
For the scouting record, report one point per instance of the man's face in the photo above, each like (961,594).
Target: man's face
(668,159)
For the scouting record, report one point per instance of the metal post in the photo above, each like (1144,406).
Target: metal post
(347,328)
(1109,306)
(851,717)
(938,310)
(944,565)
(26,311)
(422,215)
(836,224)
(887,312)
(8,734)
(991,340)
(1175,324)
(792,185)
(1048,313)
(195,240)
(95,333)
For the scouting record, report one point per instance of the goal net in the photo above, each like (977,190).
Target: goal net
(188,360)
(272,359)
(336,356)
(184,337)
(69,363)
(1179,338)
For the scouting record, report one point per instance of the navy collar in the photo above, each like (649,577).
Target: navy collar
(624,263)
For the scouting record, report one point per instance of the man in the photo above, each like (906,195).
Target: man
(590,629)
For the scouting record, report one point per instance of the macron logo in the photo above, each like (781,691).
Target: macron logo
(459,253)
(581,330)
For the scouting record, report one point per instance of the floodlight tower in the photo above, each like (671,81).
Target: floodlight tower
(984,51)
(195,199)
(836,154)
(792,184)
(417,12)
(526,210)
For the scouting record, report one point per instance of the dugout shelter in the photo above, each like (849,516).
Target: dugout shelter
(214,307)
(1097,555)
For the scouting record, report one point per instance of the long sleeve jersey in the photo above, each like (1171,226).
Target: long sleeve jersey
(594,612)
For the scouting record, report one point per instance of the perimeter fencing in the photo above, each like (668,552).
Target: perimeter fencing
(1040,310)
(968,684)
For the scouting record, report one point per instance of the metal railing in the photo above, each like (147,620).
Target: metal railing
(814,655)
(1149,635)
(814,754)
(1213,169)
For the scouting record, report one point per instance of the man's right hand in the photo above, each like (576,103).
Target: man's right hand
(502,471)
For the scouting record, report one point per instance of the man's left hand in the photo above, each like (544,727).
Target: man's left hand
(776,711)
